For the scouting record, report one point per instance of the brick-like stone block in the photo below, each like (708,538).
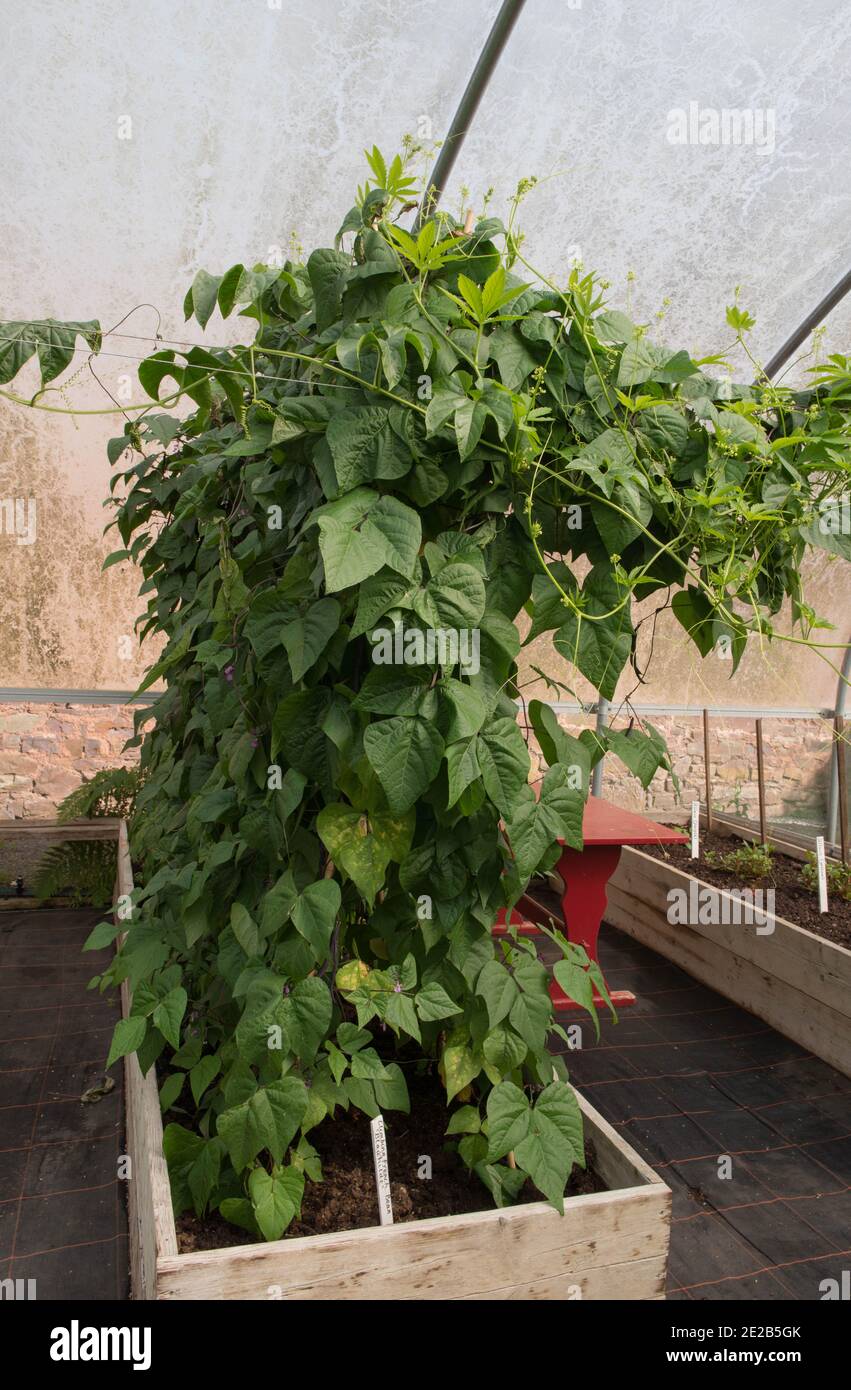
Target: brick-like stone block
(57,783)
(95,747)
(40,743)
(20,763)
(18,723)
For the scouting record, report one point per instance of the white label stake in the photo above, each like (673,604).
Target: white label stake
(821,865)
(695,829)
(382,1171)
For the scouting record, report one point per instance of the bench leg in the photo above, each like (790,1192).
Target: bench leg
(585,875)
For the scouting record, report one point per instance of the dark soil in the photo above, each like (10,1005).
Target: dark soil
(792,898)
(346,1198)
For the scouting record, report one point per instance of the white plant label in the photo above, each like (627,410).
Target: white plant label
(695,829)
(382,1171)
(821,865)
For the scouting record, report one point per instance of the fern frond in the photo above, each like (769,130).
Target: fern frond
(111,792)
(82,870)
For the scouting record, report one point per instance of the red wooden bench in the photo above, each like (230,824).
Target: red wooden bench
(585,874)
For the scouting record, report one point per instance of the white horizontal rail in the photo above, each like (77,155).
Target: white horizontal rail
(16,695)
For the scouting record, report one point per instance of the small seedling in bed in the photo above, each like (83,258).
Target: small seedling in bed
(838,878)
(751,863)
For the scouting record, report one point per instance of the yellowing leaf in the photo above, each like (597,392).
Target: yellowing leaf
(460,1067)
(352,974)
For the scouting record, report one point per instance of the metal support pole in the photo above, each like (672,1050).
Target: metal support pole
(839,730)
(706,774)
(760,773)
(805,328)
(490,55)
(597,775)
(839,710)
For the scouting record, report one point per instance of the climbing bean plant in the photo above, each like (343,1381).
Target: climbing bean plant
(423,437)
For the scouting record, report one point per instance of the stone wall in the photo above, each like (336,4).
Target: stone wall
(47,750)
(797,767)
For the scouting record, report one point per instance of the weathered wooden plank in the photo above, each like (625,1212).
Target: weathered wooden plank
(791,947)
(447,1257)
(124,869)
(628,905)
(796,981)
(150,1215)
(616,1283)
(100,828)
(824,1031)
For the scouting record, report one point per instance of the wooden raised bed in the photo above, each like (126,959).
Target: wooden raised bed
(796,981)
(608,1245)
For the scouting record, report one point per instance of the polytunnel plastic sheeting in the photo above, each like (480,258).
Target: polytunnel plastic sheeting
(248,120)
(140,145)
(599,94)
